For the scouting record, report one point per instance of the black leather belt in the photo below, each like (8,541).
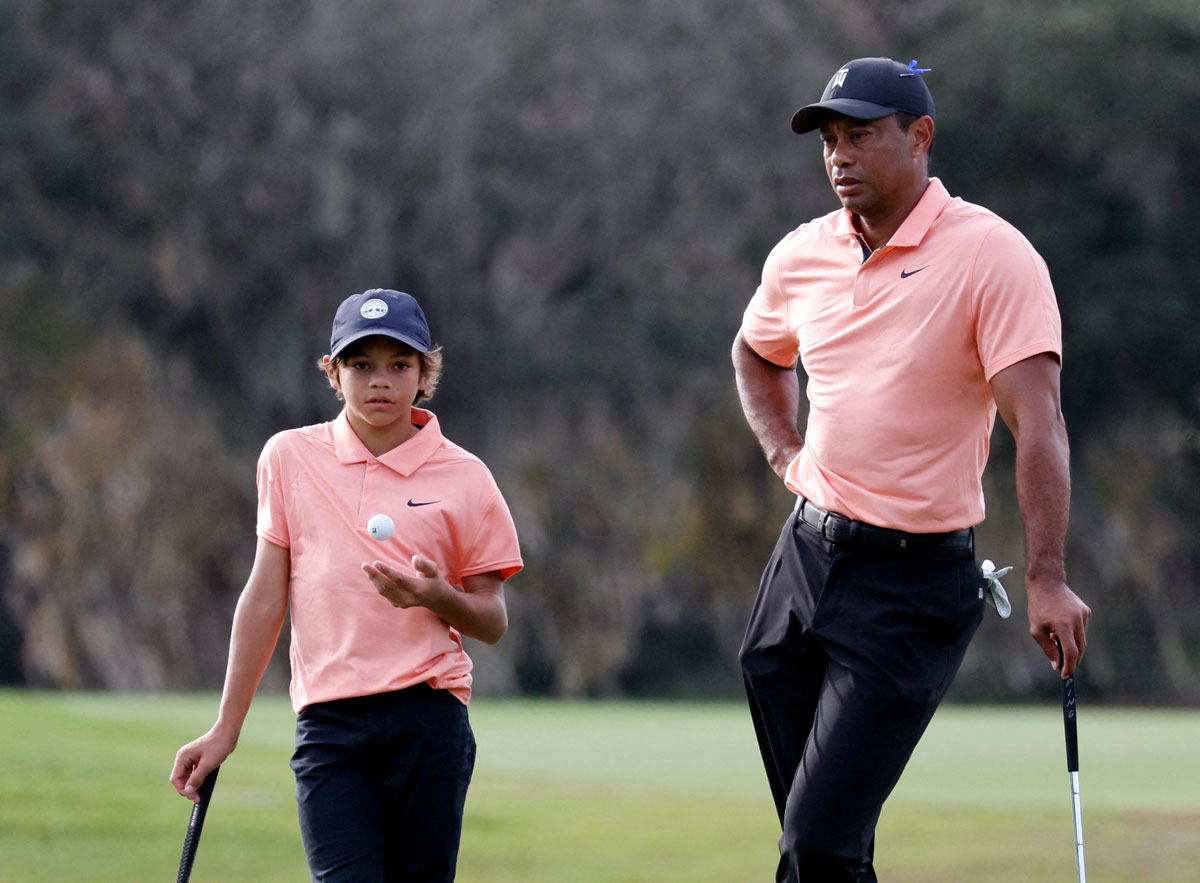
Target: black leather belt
(840,529)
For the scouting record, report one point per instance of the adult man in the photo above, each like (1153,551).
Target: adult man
(915,316)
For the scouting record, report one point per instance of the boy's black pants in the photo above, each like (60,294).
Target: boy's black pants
(848,652)
(381,782)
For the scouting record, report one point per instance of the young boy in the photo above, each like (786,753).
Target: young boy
(380,680)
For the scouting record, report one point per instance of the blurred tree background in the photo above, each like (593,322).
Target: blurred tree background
(581,195)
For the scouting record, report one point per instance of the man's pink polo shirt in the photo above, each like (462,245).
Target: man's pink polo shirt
(899,351)
(317,487)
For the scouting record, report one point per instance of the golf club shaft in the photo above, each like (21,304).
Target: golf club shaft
(1079,869)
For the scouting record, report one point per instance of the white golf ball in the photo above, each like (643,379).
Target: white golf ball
(380,527)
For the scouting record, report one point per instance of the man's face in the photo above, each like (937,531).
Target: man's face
(870,163)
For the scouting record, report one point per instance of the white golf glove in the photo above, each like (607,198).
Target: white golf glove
(996,596)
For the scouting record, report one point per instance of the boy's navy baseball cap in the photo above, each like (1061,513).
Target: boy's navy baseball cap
(869,89)
(380,311)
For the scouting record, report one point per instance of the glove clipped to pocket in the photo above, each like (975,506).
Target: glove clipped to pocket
(996,596)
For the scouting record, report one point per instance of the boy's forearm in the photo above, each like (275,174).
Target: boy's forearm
(476,610)
(257,622)
(256,628)
(480,613)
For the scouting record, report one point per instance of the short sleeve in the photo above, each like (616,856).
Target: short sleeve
(494,544)
(765,326)
(272,510)
(1016,314)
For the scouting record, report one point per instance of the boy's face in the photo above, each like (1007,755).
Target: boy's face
(379,378)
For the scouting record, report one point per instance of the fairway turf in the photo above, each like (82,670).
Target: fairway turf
(605,792)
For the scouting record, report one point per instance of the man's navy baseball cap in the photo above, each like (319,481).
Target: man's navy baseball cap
(380,311)
(869,89)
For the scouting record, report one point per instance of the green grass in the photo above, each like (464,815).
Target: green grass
(605,792)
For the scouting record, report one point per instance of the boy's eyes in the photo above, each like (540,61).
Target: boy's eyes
(364,366)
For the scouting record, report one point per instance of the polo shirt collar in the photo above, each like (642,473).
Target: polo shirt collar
(922,216)
(405,458)
(915,226)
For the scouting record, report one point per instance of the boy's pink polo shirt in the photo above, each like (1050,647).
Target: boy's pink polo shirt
(317,487)
(899,352)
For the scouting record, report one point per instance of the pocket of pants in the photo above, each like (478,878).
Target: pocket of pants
(963,608)
(933,598)
(972,601)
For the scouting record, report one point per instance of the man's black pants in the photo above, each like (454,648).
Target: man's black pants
(848,652)
(381,782)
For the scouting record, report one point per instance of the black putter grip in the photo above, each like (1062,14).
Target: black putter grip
(195,825)
(1068,688)
(1069,725)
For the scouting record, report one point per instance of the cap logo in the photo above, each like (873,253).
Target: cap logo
(839,79)
(375,308)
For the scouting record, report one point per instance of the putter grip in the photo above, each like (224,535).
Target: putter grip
(1069,724)
(195,825)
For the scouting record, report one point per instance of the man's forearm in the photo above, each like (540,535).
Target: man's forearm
(770,397)
(1044,496)
(1027,396)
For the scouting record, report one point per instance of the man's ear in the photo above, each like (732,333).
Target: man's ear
(920,136)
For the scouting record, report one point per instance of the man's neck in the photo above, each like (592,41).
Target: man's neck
(879,228)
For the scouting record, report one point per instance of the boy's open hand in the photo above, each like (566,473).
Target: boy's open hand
(422,590)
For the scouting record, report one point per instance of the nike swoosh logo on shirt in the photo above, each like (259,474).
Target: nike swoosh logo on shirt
(429,503)
(904,274)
